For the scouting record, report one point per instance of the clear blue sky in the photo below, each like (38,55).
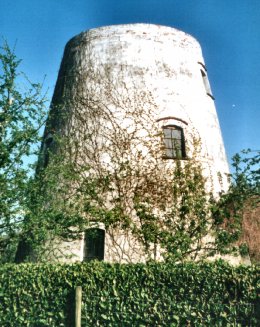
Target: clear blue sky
(228,31)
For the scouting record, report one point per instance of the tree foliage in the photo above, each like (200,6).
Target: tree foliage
(237,208)
(22,112)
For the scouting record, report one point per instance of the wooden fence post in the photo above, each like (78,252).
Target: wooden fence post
(78,299)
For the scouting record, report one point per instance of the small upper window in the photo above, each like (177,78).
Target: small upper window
(47,144)
(206,81)
(94,244)
(174,142)
(49,139)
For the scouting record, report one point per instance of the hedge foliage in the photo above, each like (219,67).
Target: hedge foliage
(156,294)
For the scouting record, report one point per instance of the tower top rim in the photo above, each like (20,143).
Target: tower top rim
(141,28)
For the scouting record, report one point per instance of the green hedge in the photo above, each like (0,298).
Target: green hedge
(208,294)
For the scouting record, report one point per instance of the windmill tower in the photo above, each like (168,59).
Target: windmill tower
(134,96)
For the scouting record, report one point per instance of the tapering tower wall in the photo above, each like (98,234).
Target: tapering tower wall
(151,72)
(157,59)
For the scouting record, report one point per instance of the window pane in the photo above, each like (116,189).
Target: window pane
(168,143)
(169,153)
(167,133)
(176,134)
(176,144)
(177,148)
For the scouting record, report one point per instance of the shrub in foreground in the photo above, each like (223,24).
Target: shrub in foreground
(156,294)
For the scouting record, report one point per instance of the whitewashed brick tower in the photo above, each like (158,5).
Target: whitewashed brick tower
(158,61)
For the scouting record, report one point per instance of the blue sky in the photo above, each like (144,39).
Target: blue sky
(228,31)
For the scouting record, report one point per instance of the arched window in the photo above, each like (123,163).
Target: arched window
(174,144)
(94,245)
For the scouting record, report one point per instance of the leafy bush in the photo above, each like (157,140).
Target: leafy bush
(156,294)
